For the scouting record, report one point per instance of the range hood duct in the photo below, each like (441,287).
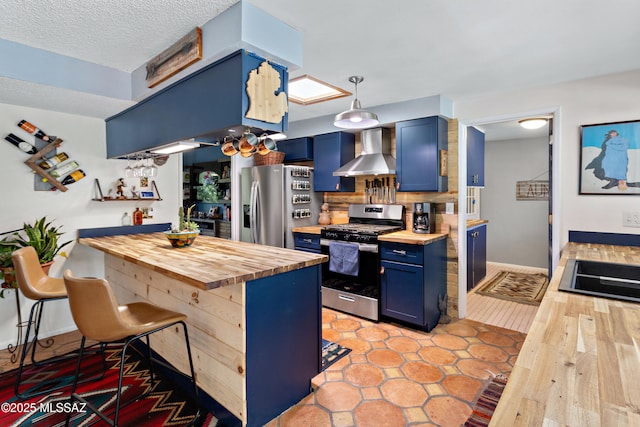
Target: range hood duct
(375,157)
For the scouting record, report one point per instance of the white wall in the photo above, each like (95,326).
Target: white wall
(84,141)
(605,99)
(517,232)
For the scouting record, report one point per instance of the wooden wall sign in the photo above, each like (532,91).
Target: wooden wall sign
(264,103)
(179,56)
(532,190)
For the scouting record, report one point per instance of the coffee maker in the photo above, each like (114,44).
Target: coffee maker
(424,218)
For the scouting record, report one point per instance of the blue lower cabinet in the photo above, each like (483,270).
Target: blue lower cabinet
(476,255)
(410,291)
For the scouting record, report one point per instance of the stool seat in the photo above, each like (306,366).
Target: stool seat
(32,280)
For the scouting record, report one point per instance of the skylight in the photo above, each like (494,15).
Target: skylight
(305,90)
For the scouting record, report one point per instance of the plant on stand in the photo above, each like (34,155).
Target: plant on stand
(186,232)
(42,236)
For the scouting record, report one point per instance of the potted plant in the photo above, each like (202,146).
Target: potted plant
(7,246)
(186,232)
(42,236)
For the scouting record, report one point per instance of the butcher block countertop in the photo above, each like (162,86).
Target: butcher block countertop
(580,362)
(404,236)
(411,238)
(209,263)
(476,222)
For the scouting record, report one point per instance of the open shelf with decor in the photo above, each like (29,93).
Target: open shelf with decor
(152,195)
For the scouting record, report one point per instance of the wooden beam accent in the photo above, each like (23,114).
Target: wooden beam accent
(176,58)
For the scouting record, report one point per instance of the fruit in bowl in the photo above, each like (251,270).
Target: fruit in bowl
(186,232)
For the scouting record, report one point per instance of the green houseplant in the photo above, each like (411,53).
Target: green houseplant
(186,232)
(42,236)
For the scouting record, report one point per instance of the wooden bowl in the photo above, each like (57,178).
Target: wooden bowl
(181,239)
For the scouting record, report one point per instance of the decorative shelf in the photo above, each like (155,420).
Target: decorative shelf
(32,163)
(100,197)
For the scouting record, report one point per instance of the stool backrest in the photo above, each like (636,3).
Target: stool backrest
(29,274)
(94,308)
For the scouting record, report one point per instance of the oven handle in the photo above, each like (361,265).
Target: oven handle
(362,247)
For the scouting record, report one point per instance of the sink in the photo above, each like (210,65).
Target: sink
(602,279)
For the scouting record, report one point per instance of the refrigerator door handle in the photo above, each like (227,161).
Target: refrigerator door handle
(253,212)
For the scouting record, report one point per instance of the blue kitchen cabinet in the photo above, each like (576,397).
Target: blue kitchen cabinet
(307,242)
(420,145)
(413,279)
(330,152)
(297,149)
(475,157)
(476,255)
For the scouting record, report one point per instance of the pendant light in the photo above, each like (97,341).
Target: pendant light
(356,117)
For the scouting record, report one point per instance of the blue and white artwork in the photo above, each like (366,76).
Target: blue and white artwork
(610,158)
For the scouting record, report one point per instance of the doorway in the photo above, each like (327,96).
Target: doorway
(520,235)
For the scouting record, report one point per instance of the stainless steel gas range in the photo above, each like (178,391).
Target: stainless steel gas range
(351,278)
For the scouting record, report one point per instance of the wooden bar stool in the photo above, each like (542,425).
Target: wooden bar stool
(35,285)
(99,317)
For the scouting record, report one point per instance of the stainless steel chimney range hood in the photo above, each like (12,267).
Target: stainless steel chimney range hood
(375,157)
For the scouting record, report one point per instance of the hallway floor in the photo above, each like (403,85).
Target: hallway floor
(396,376)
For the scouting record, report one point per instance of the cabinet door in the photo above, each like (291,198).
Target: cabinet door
(401,292)
(330,152)
(297,149)
(475,157)
(418,145)
(470,260)
(480,255)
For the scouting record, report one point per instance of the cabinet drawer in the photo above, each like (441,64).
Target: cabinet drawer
(413,254)
(306,240)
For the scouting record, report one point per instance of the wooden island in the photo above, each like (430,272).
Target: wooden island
(254,314)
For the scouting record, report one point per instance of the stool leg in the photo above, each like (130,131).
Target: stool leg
(26,348)
(150,360)
(193,374)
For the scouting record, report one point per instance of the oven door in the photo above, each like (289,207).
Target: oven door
(359,294)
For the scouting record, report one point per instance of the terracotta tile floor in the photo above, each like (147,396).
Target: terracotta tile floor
(396,376)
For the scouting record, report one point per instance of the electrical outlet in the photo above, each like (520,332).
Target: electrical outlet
(631,219)
(449,209)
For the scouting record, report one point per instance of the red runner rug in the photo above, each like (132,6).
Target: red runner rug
(166,404)
(487,402)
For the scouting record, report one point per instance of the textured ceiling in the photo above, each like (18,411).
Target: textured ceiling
(405,50)
(122,34)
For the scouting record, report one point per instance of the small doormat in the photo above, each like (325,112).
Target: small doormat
(332,352)
(487,402)
(525,288)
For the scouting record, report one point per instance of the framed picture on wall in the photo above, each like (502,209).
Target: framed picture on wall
(610,158)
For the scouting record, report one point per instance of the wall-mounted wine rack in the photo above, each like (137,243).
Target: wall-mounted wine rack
(32,162)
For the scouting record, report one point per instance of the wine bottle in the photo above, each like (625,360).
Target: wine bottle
(64,169)
(21,144)
(51,162)
(28,127)
(74,176)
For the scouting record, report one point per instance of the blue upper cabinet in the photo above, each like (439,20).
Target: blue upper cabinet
(297,149)
(420,145)
(330,151)
(475,157)
(203,105)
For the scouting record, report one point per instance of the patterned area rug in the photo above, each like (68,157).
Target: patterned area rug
(525,288)
(487,402)
(331,353)
(166,405)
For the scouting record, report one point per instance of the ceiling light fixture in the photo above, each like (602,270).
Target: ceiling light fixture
(534,123)
(356,117)
(176,147)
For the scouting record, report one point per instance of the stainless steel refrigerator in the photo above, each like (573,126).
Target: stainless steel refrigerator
(275,199)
